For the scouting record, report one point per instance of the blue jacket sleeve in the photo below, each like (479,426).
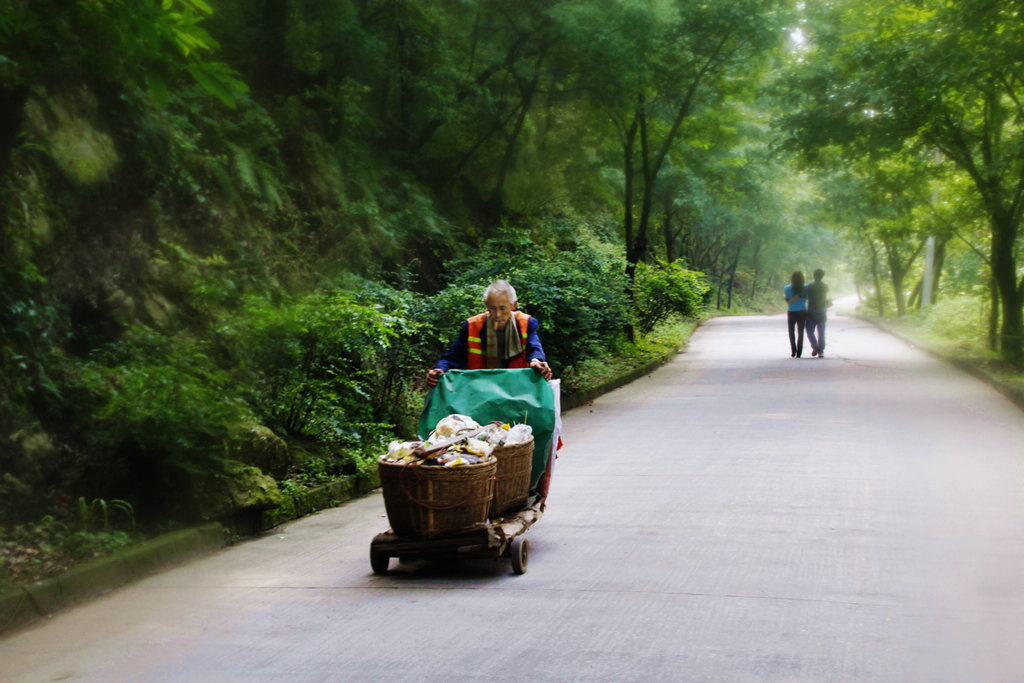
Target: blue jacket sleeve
(533,346)
(458,353)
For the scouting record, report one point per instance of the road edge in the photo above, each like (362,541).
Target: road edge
(1014,394)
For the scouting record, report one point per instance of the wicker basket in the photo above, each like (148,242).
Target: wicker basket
(424,501)
(512,486)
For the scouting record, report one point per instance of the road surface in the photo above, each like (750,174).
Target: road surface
(738,515)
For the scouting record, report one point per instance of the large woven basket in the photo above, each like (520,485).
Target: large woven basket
(512,485)
(427,501)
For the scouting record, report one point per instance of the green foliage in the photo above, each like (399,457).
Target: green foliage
(959,318)
(307,365)
(580,305)
(379,137)
(97,511)
(29,552)
(421,327)
(576,291)
(926,77)
(319,470)
(160,397)
(142,44)
(665,289)
(27,326)
(611,365)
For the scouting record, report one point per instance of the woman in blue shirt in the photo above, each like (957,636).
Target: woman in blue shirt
(796,297)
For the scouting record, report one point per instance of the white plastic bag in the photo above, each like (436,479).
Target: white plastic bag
(518,434)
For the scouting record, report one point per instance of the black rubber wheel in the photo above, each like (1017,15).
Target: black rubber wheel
(379,561)
(520,554)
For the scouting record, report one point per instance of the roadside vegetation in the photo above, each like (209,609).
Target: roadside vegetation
(954,329)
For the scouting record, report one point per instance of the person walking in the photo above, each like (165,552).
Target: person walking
(817,305)
(796,316)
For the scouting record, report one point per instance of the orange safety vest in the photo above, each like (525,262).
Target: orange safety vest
(477,357)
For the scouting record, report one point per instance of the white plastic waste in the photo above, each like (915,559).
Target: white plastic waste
(518,434)
(453,424)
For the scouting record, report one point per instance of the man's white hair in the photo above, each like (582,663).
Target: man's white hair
(501,287)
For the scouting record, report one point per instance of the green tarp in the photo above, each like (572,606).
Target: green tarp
(519,396)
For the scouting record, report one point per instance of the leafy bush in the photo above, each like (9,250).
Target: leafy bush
(960,318)
(307,366)
(666,288)
(29,552)
(577,294)
(151,401)
(423,327)
(26,339)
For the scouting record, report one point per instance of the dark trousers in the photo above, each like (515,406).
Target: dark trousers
(816,322)
(796,321)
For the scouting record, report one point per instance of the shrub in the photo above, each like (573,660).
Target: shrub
(308,366)
(150,404)
(577,294)
(958,318)
(664,289)
(423,327)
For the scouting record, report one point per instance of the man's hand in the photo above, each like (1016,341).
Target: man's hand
(433,376)
(541,367)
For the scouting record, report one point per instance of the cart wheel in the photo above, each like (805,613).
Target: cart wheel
(520,554)
(379,561)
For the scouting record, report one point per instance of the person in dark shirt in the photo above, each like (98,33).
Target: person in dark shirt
(817,305)
(488,340)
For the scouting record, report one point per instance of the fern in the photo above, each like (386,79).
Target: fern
(244,169)
(273,193)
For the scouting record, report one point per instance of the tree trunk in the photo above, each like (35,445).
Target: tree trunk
(876,277)
(896,275)
(732,269)
(666,231)
(993,314)
(915,295)
(939,262)
(1004,270)
(757,270)
(525,102)
(629,140)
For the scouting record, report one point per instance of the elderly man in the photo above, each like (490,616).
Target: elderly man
(488,340)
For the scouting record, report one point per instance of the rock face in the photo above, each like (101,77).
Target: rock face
(65,122)
(258,446)
(240,490)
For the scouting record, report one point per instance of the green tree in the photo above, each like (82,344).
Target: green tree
(684,57)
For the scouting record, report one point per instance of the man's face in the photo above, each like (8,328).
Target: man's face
(500,308)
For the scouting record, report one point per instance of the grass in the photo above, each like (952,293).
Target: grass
(955,328)
(57,542)
(606,367)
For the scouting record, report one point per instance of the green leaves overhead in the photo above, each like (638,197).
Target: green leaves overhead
(147,44)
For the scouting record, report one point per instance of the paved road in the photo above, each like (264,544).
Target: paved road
(737,516)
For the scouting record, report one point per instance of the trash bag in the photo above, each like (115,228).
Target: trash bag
(519,396)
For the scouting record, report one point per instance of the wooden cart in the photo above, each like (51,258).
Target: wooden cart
(502,537)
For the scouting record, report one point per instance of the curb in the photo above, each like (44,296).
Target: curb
(1014,394)
(28,603)
(302,503)
(23,605)
(581,398)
